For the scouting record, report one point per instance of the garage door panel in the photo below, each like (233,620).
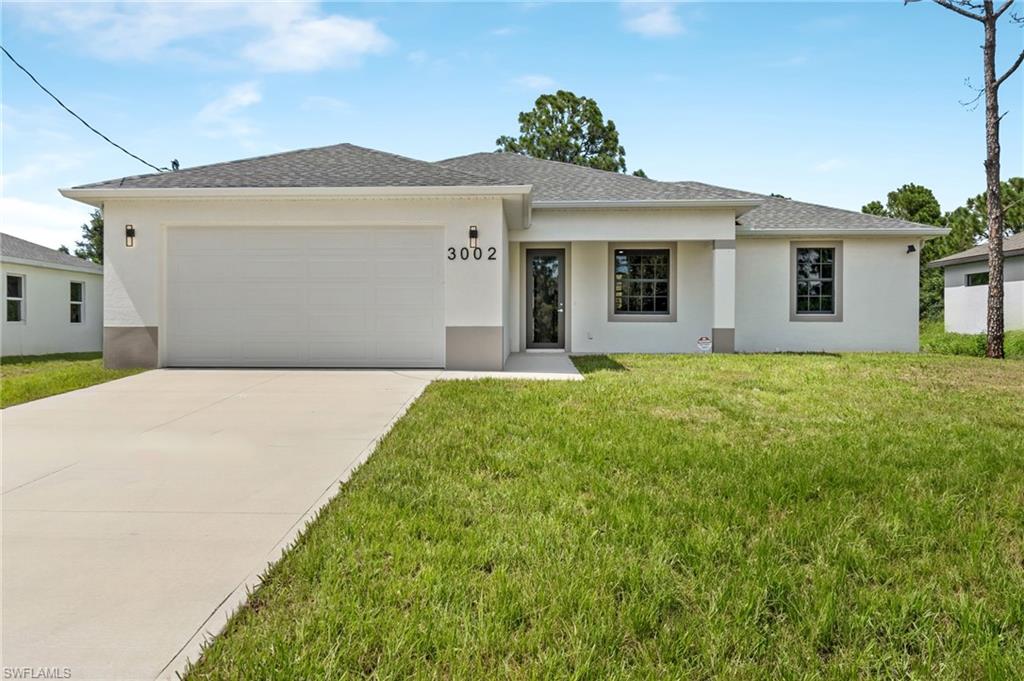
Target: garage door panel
(411,240)
(305,297)
(267,268)
(349,324)
(201,267)
(286,323)
(340,268)
(405,296)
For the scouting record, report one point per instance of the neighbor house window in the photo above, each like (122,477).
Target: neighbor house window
(15,298)
(641,284)
(77,301)
(816,282)
(977,279)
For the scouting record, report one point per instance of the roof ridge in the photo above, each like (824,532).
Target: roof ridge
(282,154)
(548,160)
(57,257)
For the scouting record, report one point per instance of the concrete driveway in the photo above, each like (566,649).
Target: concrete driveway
(136,512)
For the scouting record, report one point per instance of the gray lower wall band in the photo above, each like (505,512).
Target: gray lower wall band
(723,340)
(474,348)
(128,347)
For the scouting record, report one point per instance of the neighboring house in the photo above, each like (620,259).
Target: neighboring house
(966,289)
(346,256)
(53,302)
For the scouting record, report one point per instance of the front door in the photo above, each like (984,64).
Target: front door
(545,298)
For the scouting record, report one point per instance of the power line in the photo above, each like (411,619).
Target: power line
(82,120)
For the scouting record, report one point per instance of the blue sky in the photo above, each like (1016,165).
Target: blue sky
(835,103)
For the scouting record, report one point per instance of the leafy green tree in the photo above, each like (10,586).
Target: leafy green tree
(968,226)
(639,172)
(568,128)
(91,245)
(916,203)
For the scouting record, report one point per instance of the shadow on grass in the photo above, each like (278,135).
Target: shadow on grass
(589,364)
(58,357)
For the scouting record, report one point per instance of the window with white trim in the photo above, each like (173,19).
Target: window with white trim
(15,290)
(77,302)
(976,279)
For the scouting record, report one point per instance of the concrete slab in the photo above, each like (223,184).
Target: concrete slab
(545,366)
(136,513)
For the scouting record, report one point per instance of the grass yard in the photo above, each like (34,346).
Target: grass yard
(23,379)
(934,338)
(787,516)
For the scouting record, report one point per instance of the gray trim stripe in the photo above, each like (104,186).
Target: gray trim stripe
(474,348)
(129,347)
(723,340)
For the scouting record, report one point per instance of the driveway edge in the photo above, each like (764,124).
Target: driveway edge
(193,648)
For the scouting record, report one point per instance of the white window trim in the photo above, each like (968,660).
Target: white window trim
(672,279)
(79,303)
(837,286)
(24,296)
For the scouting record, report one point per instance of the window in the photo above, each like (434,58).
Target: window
(77,301)
(641,284)
(816,282)
(976,279)
(15,298)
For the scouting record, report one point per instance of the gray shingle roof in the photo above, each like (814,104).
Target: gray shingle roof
(777,213)
(556,181)
(1012,246)
(13,247)
(340,165)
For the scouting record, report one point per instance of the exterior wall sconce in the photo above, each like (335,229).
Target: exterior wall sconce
(129,236)
(474,236)
(911,248)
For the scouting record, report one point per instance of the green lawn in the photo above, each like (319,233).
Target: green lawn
(23,379)
(935,339)
(787,516)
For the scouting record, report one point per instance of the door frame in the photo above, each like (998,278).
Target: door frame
(561,253)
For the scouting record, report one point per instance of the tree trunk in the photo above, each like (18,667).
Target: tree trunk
(994,345)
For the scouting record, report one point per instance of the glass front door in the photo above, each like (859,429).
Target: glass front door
(545,298)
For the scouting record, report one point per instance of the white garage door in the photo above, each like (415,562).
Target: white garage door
(331,297)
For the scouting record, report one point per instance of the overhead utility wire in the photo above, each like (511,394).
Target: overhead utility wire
(82,120)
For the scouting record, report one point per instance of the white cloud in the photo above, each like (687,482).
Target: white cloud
(830,165)
(535,82)
(221,117)
(504,31)
(311,44)
(325,103)
(652,20)
(43,223)
(281,36)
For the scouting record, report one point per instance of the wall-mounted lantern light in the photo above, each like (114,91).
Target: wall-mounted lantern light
(911,248)
(474,236)
(129,236)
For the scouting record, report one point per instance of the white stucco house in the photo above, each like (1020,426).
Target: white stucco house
(345,256)
(966,287)
(53,302)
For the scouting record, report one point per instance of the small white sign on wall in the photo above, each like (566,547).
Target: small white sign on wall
(704,344)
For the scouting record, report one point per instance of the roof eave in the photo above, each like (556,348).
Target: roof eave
(84,269)
(95,196)
(745,204)
(983,257)
(926,232)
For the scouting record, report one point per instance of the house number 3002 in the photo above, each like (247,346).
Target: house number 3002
(472,253)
